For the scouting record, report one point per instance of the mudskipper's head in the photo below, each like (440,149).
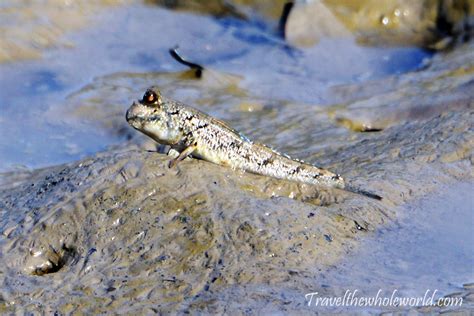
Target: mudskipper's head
(150,116)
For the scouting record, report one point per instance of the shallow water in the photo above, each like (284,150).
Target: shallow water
(430,248)
(35,130)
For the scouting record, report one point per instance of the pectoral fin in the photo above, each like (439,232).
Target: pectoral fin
(188,151)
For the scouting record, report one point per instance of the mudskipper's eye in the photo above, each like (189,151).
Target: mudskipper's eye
(151,97)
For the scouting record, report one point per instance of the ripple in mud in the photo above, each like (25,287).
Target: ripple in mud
(172,233)
(120,231)
(173,239)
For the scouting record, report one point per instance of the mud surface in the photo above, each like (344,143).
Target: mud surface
(107,226)
(432,24)
(131,235)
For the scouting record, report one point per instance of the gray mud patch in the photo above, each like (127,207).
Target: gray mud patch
(161,236)
(130,235)
(121,232)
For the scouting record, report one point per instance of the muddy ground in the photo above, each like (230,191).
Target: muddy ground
(120,231)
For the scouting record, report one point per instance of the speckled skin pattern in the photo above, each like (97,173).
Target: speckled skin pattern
(202,136)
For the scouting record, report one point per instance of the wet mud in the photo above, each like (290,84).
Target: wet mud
(431,24)
(130,234)
(117,230)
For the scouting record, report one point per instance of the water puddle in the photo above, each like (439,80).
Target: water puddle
(431,250)
(35,132)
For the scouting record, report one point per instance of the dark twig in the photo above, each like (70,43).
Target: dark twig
(196,67)
(284,18)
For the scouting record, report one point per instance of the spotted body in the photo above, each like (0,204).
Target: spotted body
(194,133)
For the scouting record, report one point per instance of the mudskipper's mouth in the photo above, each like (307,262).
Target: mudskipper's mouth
(133,119)
(128,117)
(131,116)
(134,112)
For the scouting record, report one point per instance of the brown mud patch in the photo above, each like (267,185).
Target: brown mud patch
(131,235)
